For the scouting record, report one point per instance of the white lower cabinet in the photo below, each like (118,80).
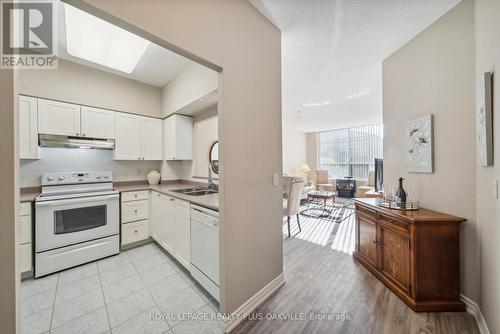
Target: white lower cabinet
(24,236)
(134,216)
(171,226)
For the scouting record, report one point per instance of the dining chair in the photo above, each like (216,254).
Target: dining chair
(291,206)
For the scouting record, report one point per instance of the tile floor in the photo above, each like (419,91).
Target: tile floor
(118,294)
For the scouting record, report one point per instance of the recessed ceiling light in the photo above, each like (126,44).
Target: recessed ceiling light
(98,41)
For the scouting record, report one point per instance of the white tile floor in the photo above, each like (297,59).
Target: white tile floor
(118,295)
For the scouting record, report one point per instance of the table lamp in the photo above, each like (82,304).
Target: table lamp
(305,169)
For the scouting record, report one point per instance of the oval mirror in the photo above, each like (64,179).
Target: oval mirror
(214,157)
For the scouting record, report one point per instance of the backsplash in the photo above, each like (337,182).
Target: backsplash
(70,160)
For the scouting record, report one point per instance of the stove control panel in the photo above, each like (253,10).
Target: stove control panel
(76,178)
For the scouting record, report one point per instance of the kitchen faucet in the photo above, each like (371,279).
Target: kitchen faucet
(211,184)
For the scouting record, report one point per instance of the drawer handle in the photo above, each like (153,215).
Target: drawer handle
(135,195)
(136,231)
(135,211)
(172,199)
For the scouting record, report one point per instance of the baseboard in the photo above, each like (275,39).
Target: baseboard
(473,309)
(255,301)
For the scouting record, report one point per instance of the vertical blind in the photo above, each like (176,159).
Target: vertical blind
(350,151)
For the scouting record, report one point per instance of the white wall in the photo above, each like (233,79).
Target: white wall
(294,152)
(84,85)
(191,83)
(234,36)
(434,74)
(487,23)
(72,160)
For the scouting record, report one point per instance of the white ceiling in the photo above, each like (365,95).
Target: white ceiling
(156,67)
(332,53)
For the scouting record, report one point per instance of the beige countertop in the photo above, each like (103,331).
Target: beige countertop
(208,201)
(29,194)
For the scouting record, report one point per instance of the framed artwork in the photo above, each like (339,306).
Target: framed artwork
(419,145)
(484,121)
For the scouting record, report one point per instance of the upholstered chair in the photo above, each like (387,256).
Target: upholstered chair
(322,181)
(291,206)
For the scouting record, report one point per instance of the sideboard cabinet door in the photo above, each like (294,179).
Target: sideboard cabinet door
(367,236)
(395,256)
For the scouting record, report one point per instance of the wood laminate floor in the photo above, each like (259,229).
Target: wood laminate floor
(322,279)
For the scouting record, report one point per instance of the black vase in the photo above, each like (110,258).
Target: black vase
(401,193)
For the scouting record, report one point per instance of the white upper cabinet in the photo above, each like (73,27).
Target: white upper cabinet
(28,128)
(137,137)
(152,139)
(97,123)
(178,138)
(58,118)
(128,135)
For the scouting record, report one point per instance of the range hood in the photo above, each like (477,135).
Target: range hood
(75,142)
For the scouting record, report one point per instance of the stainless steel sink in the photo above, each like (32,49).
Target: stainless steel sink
(196,191)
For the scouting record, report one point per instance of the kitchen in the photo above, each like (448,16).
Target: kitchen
(96,138)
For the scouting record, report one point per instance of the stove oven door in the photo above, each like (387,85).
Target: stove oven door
(66,222)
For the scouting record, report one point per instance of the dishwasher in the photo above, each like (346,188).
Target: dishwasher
(205,248)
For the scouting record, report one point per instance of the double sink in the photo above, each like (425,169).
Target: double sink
(196,191)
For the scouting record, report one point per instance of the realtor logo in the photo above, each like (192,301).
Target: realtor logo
(28,35)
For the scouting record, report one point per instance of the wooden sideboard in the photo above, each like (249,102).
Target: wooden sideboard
(414,253)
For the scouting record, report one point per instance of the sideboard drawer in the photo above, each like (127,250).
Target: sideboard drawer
(366,212)
(391,221)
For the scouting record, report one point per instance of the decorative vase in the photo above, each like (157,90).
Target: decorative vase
(153,177)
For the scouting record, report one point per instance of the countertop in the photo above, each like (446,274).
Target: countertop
(29,194)
(208,201)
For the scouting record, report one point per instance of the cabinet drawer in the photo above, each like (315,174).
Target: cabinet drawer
(25,257)
(135,195)
(24,230)
(136,231)
(136,210)
(25,209)
(369,213)
(391,222)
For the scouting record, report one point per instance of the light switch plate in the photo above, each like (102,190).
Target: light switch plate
(275,179)
(494,188)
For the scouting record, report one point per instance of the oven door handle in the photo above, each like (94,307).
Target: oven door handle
(76,200)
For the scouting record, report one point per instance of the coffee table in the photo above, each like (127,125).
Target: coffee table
(323,196)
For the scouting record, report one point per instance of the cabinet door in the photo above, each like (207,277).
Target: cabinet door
(183,231)
(183,137)
(395,255)
(169,139)
(152,148)
(24,235)
(25,258)
(155,215)
(178,138)
(367,236)
(128,133)
(58,118)
(28,128)
(166,224)
(98,123)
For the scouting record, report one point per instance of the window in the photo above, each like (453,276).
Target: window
(351,151)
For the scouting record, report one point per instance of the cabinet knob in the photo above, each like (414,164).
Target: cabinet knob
(77,134)
(135,211)
(136,231)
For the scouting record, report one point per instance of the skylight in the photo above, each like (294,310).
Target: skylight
(95,40)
